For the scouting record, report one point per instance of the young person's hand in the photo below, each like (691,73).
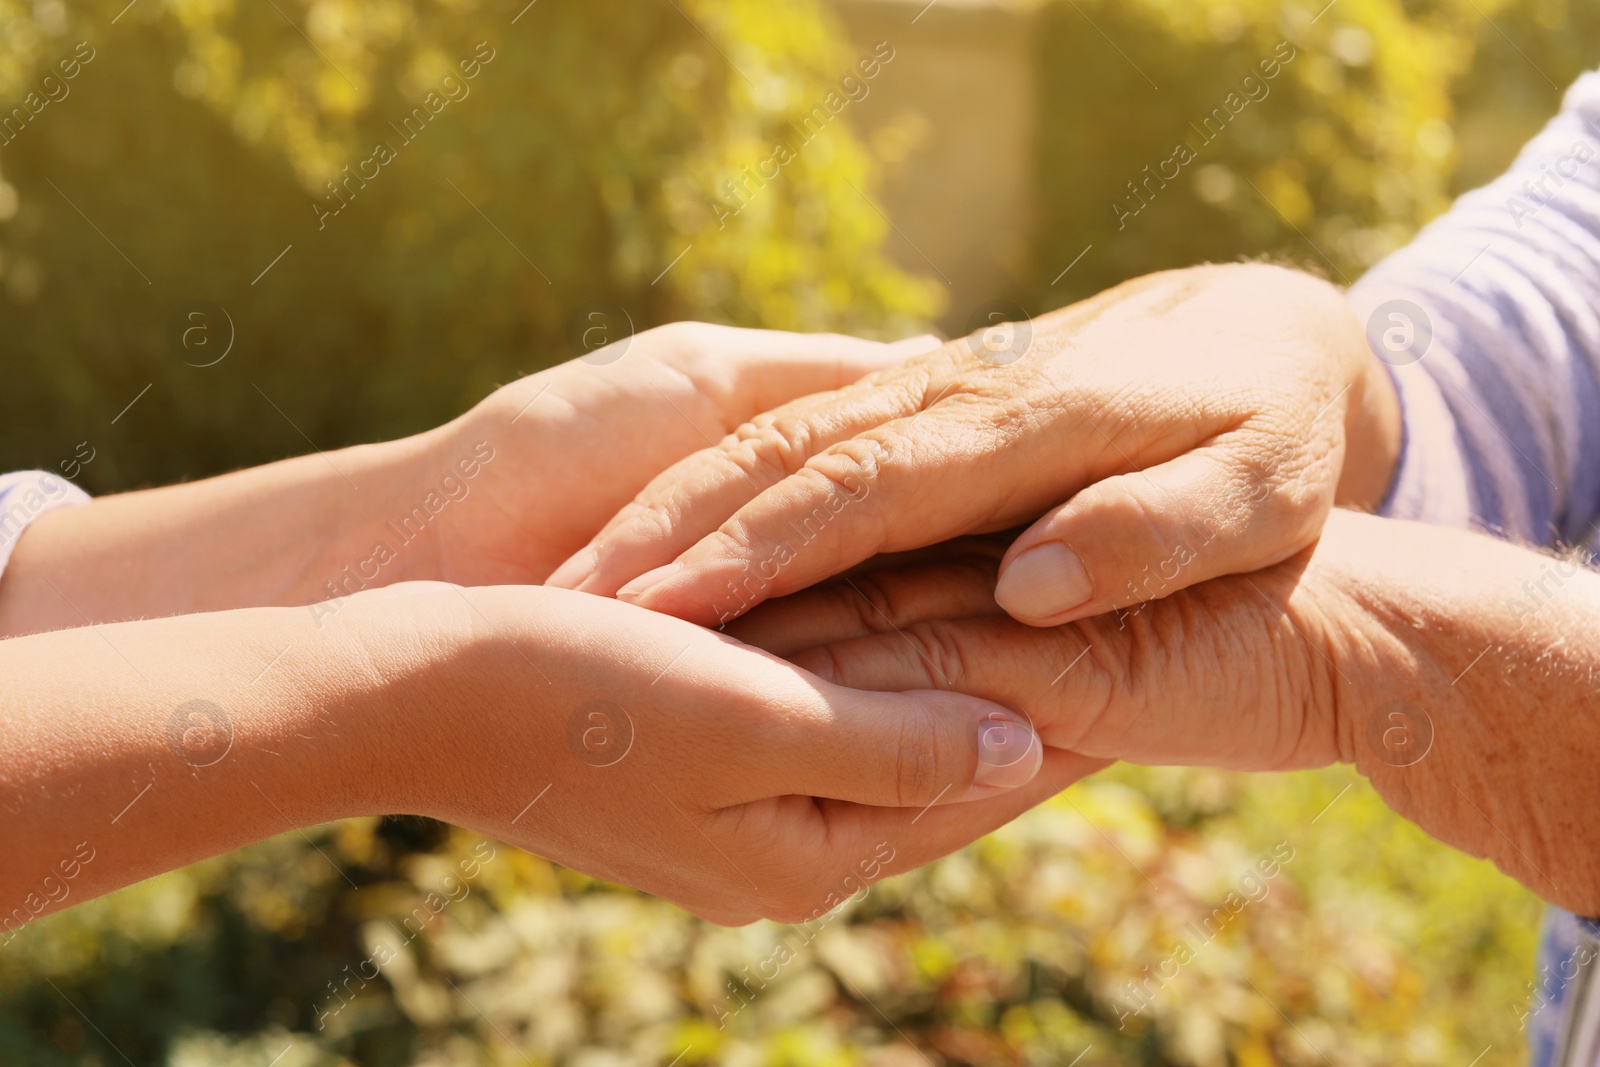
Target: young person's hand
(698,769)
(1455,671)
(621,742)
(1181,426)
(575,443)
(500,495)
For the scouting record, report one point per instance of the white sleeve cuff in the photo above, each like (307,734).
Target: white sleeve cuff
(26,495)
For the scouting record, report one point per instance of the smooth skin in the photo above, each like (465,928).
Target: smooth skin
(1455,671)
(414,695)
(715,775)
(569,446)
(1181,426)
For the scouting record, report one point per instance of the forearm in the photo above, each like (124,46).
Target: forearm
(1465,692)
(272,535)
(131,749)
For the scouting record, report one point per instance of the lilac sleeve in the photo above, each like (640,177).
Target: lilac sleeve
(1490,321)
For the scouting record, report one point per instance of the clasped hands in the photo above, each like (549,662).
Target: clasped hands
(1154,440)
(1182,589)
(946,582)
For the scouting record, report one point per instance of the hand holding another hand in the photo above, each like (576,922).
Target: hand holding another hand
(645,750)
(1195,423)
(579,440)
(1414,652)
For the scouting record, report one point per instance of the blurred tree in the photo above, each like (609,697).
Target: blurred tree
(448,184)
(188,153)
(1179,132)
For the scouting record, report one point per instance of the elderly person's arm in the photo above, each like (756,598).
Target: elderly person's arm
(1490,321)
(1457,672)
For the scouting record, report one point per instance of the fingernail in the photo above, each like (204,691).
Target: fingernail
(1044,581)
(1009,755)
(647,581)
(575,571)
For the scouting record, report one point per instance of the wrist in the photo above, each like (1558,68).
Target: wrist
(1372,434)
(1466,676)
(410,650)
(379,538)
(446,665)
(460,513)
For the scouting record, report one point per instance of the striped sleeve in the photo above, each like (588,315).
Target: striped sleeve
(1490,322)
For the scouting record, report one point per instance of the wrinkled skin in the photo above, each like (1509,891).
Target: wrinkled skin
(1176,428)
(1409,650)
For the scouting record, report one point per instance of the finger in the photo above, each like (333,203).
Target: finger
(1145,535)
(897,749)
(901,839)
(1219,676)
(772,368)
(694,496)
(828,851)
(743,373)
(880,600)
(994,658)
(950,470)
(1049,676)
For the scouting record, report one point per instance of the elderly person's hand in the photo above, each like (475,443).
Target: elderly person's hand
(1179,427)
(1457,673)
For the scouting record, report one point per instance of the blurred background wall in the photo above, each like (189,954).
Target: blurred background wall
(598,153)
(954,127)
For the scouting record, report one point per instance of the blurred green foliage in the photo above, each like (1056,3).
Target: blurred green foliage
(188,155)
(1385,110)
(576,167)
(1370,944)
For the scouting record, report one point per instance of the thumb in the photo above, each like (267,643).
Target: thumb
(1145,535)
(911,749)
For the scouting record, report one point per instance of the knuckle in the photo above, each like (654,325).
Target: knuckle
(733,541)
(823,662)
(873,607)
(649,520)
(917,761)
(683,337)
(791,897)
(1139,528)
(790,910)
(678,345)
(1134,510)
(1285,467)
(846,474)
(772,446)
(941,646)
(858,464)
(1103,684)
